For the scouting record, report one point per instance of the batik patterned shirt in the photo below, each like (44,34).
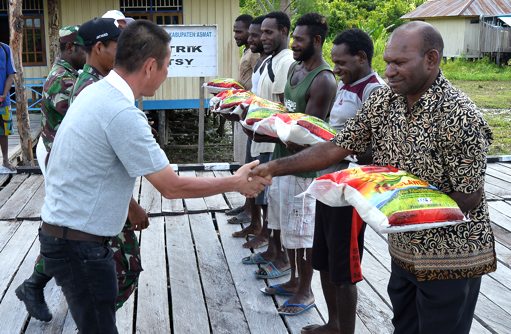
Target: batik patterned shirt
(442,139)
(55,101)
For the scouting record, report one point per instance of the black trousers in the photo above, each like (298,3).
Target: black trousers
(432,307)
(85,271)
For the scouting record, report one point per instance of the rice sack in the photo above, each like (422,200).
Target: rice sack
(388,199)
(221,84)
(214,102)
(258,118)
(303,129)
(229,102)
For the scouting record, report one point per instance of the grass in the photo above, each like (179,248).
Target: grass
(487,94)
(500,123)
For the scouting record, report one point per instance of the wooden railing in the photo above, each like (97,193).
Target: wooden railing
(33,91)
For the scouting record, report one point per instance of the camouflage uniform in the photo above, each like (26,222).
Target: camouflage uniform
(125,245)
(57,89)
(56,93)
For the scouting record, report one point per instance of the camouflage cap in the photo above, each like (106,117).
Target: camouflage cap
(69,34)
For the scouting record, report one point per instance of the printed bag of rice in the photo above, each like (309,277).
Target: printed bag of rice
(214,102)
(228,102)
(258,117)
(302,129)
(221,84)
(388,199)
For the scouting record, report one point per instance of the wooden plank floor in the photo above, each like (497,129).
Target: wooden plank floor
(194,281)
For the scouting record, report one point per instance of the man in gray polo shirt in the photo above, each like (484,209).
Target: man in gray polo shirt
(102,145)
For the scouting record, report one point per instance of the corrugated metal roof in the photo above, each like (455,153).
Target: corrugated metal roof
(452,8)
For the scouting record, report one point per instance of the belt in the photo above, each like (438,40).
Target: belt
(70,234)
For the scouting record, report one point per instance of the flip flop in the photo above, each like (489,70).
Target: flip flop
(241,218)
(279,291)
(235,211)
(256,258)
(270,271)
(302,307)
(309,328)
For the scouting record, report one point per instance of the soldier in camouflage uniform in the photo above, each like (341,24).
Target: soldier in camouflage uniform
(100,60)
(55,102)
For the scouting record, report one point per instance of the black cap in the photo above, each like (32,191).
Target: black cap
(99,30)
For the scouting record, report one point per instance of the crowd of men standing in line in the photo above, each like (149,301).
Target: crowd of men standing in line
(92,251)
(434,284)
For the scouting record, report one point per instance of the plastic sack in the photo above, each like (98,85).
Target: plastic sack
(221,84)
(302,129)
(230,101)
(258,118)
(388,199)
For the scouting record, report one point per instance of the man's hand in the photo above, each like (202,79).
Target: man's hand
(2,98)
(231,117)
(260,138)
(250,186)
(137,216)
(263,170)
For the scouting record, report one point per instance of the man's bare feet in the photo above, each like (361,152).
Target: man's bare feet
(8,165)
(247,231)
(257,242)
(320,329)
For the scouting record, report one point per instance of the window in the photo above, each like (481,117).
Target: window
(161,12)
(33,53)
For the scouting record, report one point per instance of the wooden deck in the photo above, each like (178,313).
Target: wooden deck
(14,139)
(194,281)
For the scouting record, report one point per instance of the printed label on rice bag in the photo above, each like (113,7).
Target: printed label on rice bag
(399,198)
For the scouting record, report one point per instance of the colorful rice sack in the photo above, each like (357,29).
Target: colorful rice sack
(230,101)
(388,199)
(258,118)
(302,129)
(221,84)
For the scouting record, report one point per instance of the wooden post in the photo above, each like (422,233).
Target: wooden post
(285,6)
(53,29)
(16,44)
(200,152)
(162,127)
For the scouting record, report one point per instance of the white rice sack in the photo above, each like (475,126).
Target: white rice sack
(388,199)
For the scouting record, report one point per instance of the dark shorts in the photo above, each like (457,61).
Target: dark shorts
(331,247)
(430,307)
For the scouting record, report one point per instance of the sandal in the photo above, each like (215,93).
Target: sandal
(278,290)
(270,271)
(256,258)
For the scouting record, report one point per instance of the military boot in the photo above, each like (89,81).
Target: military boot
(31,293)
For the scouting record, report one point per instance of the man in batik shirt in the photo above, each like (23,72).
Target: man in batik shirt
(100,44)
(425,126)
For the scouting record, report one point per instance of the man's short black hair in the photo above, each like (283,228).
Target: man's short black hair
(316,25)
(258,19)
(88,48)
(139,41)
(246,19)
(356,40)
(282,19)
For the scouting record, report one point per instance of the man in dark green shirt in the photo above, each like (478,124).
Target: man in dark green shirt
(310,89)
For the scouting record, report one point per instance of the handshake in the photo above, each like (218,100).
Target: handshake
(252,178)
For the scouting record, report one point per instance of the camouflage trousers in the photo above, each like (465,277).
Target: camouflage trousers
(128,264)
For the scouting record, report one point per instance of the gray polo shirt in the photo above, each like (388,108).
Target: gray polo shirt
(102,145)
